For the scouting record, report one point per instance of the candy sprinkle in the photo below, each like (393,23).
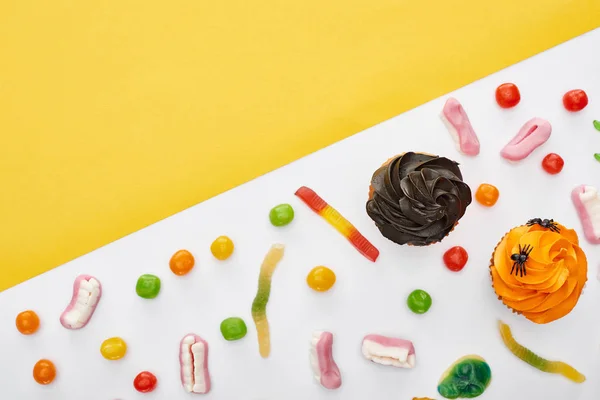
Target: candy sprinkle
(597,156)
(597,125)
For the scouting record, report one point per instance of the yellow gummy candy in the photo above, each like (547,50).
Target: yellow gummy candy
(259,305)
(553,367)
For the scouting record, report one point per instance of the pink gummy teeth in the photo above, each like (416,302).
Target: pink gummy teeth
(587,203)
(389,351)
(532,135)
(457,122)
(324,367)
(193,360)
(87,291)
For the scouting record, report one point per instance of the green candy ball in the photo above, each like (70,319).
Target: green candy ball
(233,328)
(281,215)
(419,301)
(148,286)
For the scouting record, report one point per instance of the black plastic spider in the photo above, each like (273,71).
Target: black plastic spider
(520,259)
(544,223)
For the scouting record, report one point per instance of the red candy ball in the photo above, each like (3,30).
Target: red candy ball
(553,163)
(456,258)
(575,100)
(144,382)
(507,95)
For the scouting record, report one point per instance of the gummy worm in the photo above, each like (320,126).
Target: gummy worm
(553,367)
(341,224)
(259,304)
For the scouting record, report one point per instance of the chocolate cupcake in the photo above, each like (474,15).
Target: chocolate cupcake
(417,198)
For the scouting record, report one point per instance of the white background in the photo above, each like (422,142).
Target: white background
(367,298)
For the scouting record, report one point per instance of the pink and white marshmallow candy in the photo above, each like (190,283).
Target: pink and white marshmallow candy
(532,135)
(587,203)
(87,292)
(193,361)
(458,124)
(324,367)
(389,351)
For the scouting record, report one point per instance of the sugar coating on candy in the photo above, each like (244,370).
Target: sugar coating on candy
(325,370)
(532,135)
(145,382)
(575,100)
(456,258)
(456,120)
(87,292)
(233,328)
(468,377)
(193,363)
(419,301)
(487,195)
(44,372)
(320,279)
(553,163)
(524,354)
(181,262)
(384,350)
(281,215)
(148,286)
(587,203)
(508,95)
(113,348)
(27,322)
(341,224)
(259,305)
(222,248)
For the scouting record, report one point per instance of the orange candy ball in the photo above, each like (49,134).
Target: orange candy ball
(27,322)
(44,372)
(181,262)
(320,279)
(487,195)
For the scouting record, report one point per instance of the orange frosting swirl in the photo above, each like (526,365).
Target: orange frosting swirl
(556,272)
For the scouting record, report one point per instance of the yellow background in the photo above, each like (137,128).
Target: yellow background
(117,113)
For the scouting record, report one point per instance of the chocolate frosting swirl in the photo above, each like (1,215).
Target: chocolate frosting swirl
(417,198)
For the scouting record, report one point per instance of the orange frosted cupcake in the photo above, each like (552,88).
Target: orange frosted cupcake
(538,270)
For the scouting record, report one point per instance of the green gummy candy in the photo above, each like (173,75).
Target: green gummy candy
(148,286)
(597,125)
(419,301)
(233,328)
(281,215)
(466,378)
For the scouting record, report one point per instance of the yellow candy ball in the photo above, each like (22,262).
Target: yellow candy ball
(320,279)
(113,348)
(222,248)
